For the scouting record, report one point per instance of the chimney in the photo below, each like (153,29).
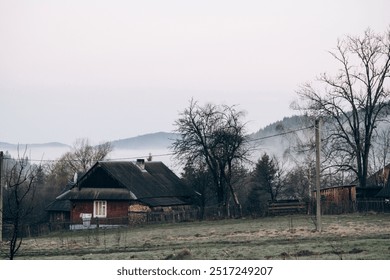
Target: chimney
(75,178)
(141,163)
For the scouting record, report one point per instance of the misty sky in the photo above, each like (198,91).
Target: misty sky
(109,70)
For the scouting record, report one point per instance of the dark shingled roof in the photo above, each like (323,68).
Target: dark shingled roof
(385,192)
(154,184)
(59,206)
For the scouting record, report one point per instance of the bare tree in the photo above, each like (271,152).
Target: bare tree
(215,135)
(353,101)
(19,194)
(81,157)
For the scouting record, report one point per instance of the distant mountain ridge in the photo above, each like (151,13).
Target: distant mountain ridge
(5,145)
(163,140)
(157,140)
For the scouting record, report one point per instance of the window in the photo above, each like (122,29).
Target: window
(100,209)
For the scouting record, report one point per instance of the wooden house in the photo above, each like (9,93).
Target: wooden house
(109,190)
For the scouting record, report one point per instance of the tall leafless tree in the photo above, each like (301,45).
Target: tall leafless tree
(353,101)
(20,178)
(216,135)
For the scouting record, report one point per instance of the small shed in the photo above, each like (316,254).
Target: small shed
(59,212)
(338,199)
(339,194)
(59,209)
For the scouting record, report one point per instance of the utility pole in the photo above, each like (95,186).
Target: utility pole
(318,173)
(1,195)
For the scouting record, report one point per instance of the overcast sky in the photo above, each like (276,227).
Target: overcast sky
(109,70)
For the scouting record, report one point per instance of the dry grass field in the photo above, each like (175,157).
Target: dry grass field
(354,236)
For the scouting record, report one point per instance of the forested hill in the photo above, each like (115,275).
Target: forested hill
(158,140)
(279,138)
(287,124)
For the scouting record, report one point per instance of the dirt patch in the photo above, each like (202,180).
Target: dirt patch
(184,254)
(305,253)
(355,251)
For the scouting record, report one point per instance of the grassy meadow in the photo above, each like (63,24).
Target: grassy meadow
(354,236)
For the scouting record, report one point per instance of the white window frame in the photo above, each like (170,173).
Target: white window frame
(100,209)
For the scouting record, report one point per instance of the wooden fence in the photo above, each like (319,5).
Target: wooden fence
(331,208)
(380,206)
(133,219)
(210,213)
(287,207)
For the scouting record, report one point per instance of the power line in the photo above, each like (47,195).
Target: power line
(108,159)
(130,158)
